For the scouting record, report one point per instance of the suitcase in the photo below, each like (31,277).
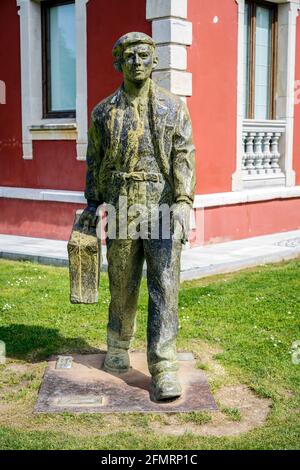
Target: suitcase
(84,250)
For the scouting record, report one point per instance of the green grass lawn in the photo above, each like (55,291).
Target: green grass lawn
(240,327)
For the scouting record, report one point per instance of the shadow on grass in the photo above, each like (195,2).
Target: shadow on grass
(34,343)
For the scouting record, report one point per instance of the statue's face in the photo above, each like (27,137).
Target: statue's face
(138,62)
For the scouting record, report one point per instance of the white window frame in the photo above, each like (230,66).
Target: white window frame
(34,127)
(287,15)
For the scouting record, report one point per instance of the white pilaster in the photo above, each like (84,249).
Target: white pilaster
(81,79)
(172,56)
(172,33)
(172,30)
(237,177)
(165,8)
(286,80)
(178,82)
(2,92)
(31,69)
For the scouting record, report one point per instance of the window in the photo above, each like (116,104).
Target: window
(260,41)
(59,58)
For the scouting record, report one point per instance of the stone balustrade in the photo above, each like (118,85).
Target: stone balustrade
(263,150)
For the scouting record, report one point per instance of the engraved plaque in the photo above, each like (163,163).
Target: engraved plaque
(185,356)
(2,352)
(64,362)
(83,400)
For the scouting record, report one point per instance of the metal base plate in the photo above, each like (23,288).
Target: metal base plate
(86,388)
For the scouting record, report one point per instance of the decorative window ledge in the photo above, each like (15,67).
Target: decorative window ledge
(54,131)
(34,127)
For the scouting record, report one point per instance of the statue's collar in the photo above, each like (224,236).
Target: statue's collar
(120,98)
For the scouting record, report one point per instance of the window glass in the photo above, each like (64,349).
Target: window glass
(62,47)
(260,29)
(263,55)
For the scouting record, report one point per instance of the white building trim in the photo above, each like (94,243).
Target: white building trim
(246,196)
(287,14)
(81,79)
(172,33)
(34,127)
(2,92)
(54,195)
(237,177)
(201,201)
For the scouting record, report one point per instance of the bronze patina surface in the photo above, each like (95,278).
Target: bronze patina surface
(140,148)
(84,251)
(87,388)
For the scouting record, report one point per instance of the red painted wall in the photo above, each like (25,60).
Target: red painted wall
(54,166)
(251,220)
(216,224)
(213,60)
(107,21)
(10,113)
(54,163)
(37,219)
(296,159)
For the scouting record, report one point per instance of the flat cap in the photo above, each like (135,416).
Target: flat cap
(129,39)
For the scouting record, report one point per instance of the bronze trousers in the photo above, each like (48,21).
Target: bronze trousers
(125,265)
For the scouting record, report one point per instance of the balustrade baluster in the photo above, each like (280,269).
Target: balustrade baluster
(267,153)
(250,156)
(258,162)
(275,152)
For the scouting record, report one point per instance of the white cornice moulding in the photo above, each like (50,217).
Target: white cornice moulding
(201,200)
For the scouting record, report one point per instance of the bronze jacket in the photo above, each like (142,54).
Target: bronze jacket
(171,131)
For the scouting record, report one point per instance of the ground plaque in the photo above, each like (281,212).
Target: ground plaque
(86,388)
(64,362)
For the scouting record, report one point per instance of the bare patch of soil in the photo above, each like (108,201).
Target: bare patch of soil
(253,411)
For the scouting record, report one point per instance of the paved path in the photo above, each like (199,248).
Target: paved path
(196,262)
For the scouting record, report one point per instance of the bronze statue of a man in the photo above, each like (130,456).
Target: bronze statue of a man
(140,146)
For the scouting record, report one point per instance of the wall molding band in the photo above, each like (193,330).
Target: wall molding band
(201,200)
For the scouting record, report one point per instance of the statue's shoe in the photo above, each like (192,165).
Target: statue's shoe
(116,361)
(165,386)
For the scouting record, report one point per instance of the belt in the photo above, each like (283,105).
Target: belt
(137,176)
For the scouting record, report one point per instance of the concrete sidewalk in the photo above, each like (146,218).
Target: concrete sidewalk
(196,262)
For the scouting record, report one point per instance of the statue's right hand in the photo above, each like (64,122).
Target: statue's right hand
(88,219)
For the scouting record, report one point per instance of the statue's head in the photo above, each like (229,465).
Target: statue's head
(135,56)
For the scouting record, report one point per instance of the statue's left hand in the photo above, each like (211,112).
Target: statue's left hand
(181,220)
